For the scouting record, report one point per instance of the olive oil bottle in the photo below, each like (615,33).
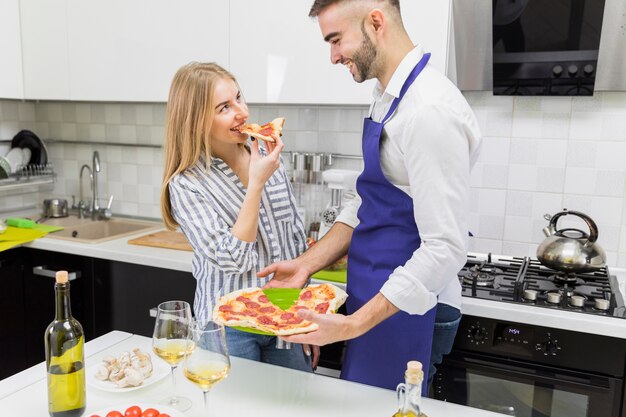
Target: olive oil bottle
(410,392)
(65,360)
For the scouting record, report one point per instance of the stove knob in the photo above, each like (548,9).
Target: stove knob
(588,70)
(478,334)
(572,70)
(549,348)
(557,71)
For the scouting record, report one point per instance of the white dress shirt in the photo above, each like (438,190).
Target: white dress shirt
(427,149)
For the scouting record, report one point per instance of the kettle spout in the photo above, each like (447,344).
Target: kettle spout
(548,231)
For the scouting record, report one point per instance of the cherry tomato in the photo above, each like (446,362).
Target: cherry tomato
(133,411)
(114,413)
(150,412)
(163,415)
(94,415)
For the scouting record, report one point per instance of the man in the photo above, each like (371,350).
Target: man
(409,240)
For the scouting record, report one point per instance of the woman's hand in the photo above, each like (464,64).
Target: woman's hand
(262,168)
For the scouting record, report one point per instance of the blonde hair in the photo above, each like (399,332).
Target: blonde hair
(189,116)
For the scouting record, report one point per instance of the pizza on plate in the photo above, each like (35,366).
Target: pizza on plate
(264,132)
(252,308)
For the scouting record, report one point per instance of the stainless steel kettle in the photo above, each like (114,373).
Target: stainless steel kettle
(571,250)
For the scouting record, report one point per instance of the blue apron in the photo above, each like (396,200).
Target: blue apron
(385,238)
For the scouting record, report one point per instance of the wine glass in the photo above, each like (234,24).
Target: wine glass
(170,342)
(208,363)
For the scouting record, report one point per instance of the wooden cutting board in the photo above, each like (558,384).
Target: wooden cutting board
(164,239)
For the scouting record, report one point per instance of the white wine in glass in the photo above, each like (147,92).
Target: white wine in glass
(171,341)
(208,363)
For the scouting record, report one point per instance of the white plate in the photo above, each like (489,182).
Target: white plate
(122,407)
(160,370)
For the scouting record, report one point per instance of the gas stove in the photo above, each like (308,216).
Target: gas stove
(524,280)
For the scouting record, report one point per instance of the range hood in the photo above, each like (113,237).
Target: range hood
(471,39)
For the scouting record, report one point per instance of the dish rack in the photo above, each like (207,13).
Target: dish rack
(32,174)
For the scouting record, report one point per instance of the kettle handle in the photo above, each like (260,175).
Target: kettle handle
(593,229)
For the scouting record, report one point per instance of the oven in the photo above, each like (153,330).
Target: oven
(528,370)
(532,371)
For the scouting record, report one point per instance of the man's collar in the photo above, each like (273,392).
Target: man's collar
(400,74)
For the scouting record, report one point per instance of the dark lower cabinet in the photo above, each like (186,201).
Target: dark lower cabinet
(39,268)
(12,331)
(136,289)
(105,295)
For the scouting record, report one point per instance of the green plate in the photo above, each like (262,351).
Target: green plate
(281,297)
(332,276)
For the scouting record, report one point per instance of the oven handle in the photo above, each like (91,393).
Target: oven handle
(600,382)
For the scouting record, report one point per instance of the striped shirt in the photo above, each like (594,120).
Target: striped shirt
(206,206)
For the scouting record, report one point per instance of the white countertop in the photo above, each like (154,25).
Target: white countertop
(252,388)
(120,250)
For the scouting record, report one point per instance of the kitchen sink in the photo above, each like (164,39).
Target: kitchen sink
(97,231)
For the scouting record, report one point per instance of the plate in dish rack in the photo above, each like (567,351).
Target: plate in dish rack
(160,370)
(144,406)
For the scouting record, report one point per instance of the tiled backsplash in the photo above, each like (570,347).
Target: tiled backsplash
(540,154)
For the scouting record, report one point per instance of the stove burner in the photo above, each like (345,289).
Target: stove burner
(602,304)
(484,275)
(530,295)
(563,277)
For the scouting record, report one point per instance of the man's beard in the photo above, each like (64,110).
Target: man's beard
(365,59)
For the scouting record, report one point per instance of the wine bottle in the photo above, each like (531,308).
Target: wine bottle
(65,360)
(410,392)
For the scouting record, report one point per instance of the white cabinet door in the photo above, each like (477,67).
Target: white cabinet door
(11,82)
(278,55)
(44,49)
(428,24)
(123,50)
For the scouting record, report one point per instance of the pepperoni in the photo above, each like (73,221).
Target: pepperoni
(252,305)
(268,309)
(266,131)
(321,307)
(299,308)
(263,299)
(250,313)
(226,308)
(306,295)
(266,320)
(242,299)
(295,320)
(286,316)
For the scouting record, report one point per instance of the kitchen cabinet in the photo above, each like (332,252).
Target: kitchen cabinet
(428,23)
(11,79)
(129,51)
(38,286)
(285,60)
(12,332)
(136,289)
(45,49)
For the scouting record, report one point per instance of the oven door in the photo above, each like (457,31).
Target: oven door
(525,390)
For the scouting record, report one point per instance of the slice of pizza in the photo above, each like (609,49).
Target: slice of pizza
(321,298)
(264,132)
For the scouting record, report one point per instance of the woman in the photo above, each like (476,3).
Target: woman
(233,201)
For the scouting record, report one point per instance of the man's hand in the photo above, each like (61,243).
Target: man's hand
(332,328)
(287,274)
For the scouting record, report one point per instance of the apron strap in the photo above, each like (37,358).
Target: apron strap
(416,71)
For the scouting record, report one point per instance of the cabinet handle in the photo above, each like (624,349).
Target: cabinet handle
(153,312)
(43,271)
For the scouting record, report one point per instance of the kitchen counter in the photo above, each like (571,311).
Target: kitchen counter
(120,250)
(252,388)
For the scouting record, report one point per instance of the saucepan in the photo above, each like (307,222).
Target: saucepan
(54,208)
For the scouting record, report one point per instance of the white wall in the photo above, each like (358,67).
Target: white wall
(539,155)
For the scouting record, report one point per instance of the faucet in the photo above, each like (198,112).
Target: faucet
(95,207)
(81,202)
